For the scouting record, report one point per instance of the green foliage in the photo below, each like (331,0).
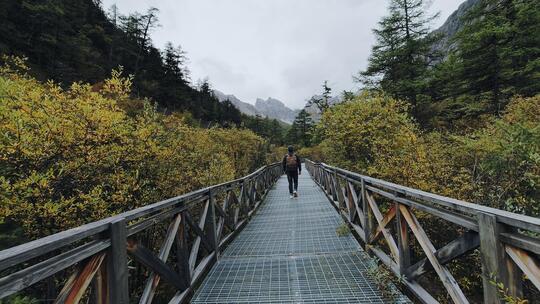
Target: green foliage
(384,279)
(496,56)
(499,51)
(402,53)
(300,132)
(504,293)
(505,158)
(343,230)
(271,129)
(18,300)
(323,102)
(68,157)
(498,165)
(372,135)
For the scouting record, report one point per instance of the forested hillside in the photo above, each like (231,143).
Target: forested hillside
(71,41)
(495,55)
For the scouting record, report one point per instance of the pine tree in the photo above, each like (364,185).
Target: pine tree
(301,129)
(499,50)
(403,51)
(323,102)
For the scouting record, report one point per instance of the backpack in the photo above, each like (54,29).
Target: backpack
(291,162)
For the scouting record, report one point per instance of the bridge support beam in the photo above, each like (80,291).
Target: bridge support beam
(496,265)
(117,263)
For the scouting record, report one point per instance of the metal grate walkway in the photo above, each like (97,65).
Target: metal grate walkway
(290,253)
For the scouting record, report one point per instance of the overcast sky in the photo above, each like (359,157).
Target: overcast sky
(279,48)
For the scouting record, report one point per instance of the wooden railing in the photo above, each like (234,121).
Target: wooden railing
(113,260)
(508,243)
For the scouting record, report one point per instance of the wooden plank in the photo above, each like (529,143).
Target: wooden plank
(529,265)
(101,295)
(180,297)
(379,217)
(339,196)
(24,252)
(182,252)
(195,247)
(76,286)
(446,277)
(203,266)
(388,216)
(220,210)
(385,259)
(359,231)
(353,202)
(147,258)
(157,218)
(368,222)
(492,254)
(404,260)
(334,186)
(509,218)
(198,230)
(467,242)
(210,223)
(153,280)
(26,277)
(421,294)
(447,215)
(117,263)
(521,241)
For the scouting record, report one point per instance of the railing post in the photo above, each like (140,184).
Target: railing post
(334,187)
(117,263)
(210,224)
(404,258)
(365,208)
(496,266)
(182,250)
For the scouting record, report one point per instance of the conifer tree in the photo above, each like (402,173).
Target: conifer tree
(499,51)
(323,102)
(301,129)
(402,52)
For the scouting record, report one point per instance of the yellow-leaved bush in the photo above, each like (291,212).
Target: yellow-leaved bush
(68,157)
(374,135)
(504,159)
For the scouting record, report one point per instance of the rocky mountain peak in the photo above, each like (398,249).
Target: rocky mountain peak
(271,107)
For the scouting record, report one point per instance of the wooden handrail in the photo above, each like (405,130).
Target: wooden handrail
(508,242)
(98,252)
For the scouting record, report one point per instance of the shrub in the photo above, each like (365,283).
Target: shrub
(68,157)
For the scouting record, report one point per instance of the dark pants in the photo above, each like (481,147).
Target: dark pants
(292,177)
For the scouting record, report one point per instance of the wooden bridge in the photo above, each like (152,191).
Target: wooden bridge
(245,241)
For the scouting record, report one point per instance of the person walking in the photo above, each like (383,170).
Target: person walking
(292,166)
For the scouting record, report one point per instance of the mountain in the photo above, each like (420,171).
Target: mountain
(271,107)
(274,108)
(451,26)
(244,107)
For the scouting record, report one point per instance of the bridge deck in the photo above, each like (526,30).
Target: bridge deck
(290,253)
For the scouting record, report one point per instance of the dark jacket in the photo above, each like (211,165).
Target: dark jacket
(298,162)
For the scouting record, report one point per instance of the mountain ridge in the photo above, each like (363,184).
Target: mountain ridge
(271,107)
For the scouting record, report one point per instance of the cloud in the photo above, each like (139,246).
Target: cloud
(279,48)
